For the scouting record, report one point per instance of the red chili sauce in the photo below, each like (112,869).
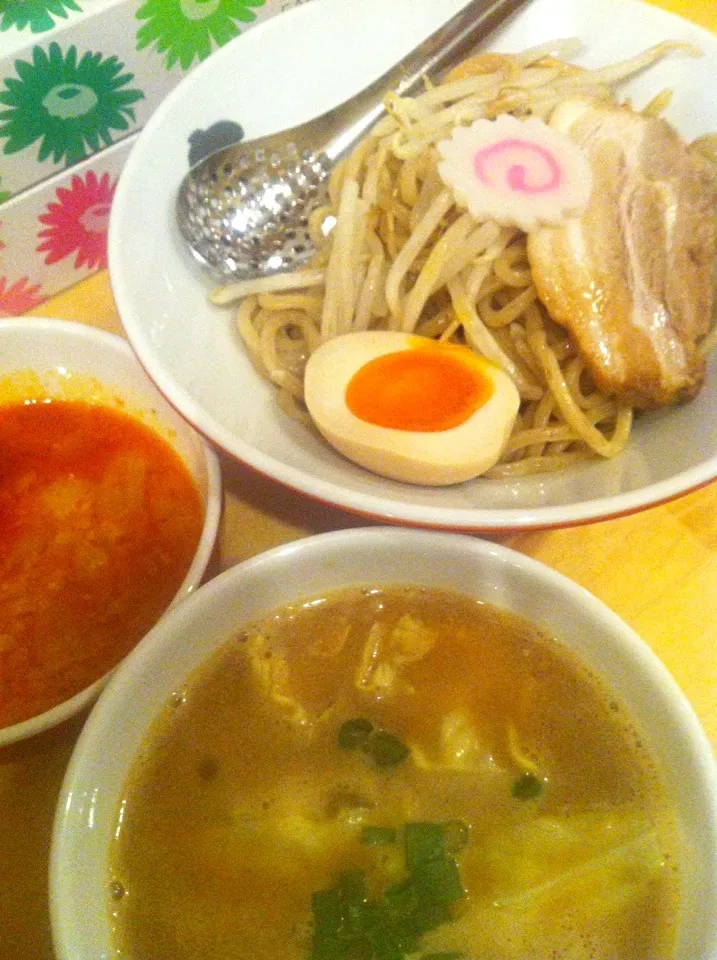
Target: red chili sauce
(99,522)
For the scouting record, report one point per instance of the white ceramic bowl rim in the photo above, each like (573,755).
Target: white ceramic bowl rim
(384,555)
(107,341)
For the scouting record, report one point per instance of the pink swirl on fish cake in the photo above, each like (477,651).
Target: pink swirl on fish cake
(520,165)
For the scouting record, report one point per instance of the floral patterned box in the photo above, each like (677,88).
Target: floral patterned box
(77,76)
(55,234)
(78,79)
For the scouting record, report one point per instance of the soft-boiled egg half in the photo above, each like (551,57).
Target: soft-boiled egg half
(410,408)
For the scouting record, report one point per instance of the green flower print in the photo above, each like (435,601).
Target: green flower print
(71,107)
(185,28)
(37,14)
(4,195)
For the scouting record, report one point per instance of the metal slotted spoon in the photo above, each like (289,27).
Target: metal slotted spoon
(243,210)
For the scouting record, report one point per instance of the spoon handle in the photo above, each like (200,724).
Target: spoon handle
(432,57)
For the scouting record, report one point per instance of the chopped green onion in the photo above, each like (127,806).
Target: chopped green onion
(389,935)
(354,733)
(527,787)
(338,915)
(433,841)
(431,915)
(329,919)
(382,747)
(424,842)
(402,897)
(386,750)
(378,836)
(438,881)
(348,926)
(413,912)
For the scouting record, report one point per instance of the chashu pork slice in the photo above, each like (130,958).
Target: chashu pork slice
(633,279)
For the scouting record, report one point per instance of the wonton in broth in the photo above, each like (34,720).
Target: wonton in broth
(389,773)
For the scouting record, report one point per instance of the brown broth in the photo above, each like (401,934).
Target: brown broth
(241,804)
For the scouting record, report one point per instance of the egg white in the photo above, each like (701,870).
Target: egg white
(428,458)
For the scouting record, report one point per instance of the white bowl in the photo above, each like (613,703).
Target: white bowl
(75,361)
(87,810)
(282,72)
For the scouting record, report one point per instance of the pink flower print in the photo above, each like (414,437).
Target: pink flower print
(18,297)
(77,222)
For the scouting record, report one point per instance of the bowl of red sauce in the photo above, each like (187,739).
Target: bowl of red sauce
(109,510)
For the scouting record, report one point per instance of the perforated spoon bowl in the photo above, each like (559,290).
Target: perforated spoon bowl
(244,209)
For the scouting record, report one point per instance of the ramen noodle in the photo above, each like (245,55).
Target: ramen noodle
(394,251)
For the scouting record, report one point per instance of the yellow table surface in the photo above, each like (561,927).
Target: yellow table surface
(657,570)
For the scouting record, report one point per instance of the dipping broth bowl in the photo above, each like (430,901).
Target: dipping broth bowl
(73,361)
(88,806)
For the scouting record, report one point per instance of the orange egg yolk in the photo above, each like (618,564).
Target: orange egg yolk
(424,389)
